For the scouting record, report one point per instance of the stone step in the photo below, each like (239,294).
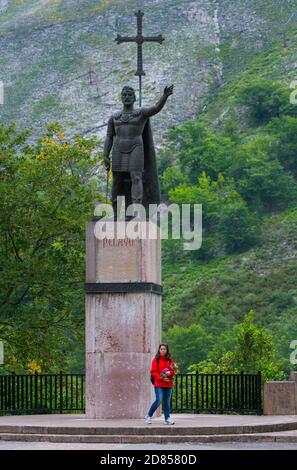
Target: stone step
(149,430)
(146,439)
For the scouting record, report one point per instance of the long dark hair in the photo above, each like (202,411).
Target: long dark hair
(167,355)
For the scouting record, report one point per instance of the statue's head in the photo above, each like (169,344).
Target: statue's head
(128,95)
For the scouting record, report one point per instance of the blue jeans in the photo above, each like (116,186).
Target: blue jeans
(162,394)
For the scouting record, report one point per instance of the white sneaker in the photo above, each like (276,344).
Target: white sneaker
(148,419)
(168,421)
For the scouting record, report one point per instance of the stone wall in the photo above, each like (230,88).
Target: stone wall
(280,398)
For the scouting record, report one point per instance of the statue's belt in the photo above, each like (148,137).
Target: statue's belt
(127,145)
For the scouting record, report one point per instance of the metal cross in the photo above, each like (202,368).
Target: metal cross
(139,39)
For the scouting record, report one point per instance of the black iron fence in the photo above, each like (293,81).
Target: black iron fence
(41,393)
(217,393)
(196,393)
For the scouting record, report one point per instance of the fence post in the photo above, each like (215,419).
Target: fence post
(13,375)
(259,392)
(61,392)
(221,391)
(36,390)
(242,391)
(197,410)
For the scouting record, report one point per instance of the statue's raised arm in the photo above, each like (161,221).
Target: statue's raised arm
(147,112)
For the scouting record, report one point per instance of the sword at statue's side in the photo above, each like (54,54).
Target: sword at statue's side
(107,172)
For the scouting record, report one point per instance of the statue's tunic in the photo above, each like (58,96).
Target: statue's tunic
(126,130)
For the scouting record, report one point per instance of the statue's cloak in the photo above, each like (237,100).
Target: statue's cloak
(151,186)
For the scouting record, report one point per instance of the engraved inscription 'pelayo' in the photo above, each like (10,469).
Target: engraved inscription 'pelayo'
(120,242)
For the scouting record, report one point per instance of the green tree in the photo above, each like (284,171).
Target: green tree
(188,345)
(195,149)
(238,227)
(47,194)
(265,99)
(253,350)
(212,315)
(284,130)
(171,178)
(211,194)
(222,208)
(260,177)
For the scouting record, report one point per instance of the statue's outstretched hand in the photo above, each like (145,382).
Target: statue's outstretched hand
(168,90)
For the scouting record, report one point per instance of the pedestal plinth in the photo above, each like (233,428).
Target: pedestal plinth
(123,322)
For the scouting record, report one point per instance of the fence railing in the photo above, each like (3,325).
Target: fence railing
(218,393)
(41,393)
(197,393)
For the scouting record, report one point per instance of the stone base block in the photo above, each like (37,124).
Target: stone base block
(122,336)
(280,398)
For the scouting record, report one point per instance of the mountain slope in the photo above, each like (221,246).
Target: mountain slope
(217,294)
(59,60)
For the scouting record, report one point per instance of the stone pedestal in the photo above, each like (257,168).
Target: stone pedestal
(280,398)
(123,322)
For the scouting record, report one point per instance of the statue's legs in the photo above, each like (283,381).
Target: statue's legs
(137,187)
(117,189)
(121,186)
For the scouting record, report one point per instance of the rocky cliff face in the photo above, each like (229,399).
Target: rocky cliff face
(59,60)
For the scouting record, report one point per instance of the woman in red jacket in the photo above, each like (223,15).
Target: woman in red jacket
(163,385)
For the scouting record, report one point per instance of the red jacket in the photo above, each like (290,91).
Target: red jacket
(157,369)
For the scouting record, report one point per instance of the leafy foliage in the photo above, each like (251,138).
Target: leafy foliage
(265,99)
(244,175)
(253,350)
(47,191)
